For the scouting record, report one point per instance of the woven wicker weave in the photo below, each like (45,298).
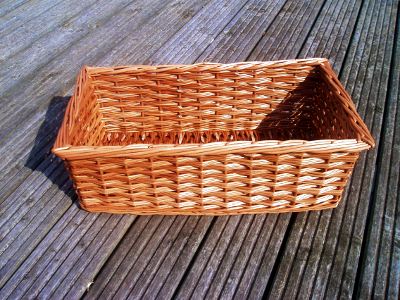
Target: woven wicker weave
(211,138)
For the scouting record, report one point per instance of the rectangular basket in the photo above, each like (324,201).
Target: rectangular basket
(209,138)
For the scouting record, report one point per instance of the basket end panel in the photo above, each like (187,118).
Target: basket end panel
(335,112)
(82,124)
(291,118)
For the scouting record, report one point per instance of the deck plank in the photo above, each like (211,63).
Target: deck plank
(28,51)
(128,251)
(14,13)
(351,233)
(169,227)
(86,259)
(169,274)
(380,268)
(126,25)
(24,32)
(129,26)
(9,6)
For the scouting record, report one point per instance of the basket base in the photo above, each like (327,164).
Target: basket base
(202,212)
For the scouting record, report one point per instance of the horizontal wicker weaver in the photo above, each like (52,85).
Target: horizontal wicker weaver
(211,138)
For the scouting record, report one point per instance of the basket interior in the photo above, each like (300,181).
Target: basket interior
(195,105)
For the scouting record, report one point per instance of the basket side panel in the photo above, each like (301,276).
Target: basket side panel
(192,98)
(228,184)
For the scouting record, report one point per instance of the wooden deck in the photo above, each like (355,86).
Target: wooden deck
(49,248)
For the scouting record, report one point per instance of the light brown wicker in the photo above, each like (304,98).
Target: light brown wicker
(208,138)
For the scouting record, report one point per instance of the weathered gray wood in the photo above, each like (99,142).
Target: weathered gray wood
(27,55)
(223,256)
(26,224)
(373,116)
(264,273)
(243,32)
(165,256)
(131,270)
(388,269)
(353,266)
(209,256)
(188,48)
(48,258)
(331,18)
(200,31)
(63,225)
(30,191)
(141,35)
(127,253)
(24,34)
(237,254)
(285,282)
(15,13)
(10,5)
(89,260)
(36,157)
(293,24)
(170,8)
(48,276)
(250,257)
(48,67)
(21,141)
(169,275)
(318,276)
(379,257)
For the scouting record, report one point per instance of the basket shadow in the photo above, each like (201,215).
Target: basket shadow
(291,119)
(40,157)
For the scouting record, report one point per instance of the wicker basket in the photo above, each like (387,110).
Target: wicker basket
(212,139)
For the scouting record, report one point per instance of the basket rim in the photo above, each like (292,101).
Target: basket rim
(213,148)
(66,151)
(203,66)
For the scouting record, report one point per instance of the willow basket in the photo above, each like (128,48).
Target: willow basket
(210,138)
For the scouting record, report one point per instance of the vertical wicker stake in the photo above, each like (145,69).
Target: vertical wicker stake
(293,136)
